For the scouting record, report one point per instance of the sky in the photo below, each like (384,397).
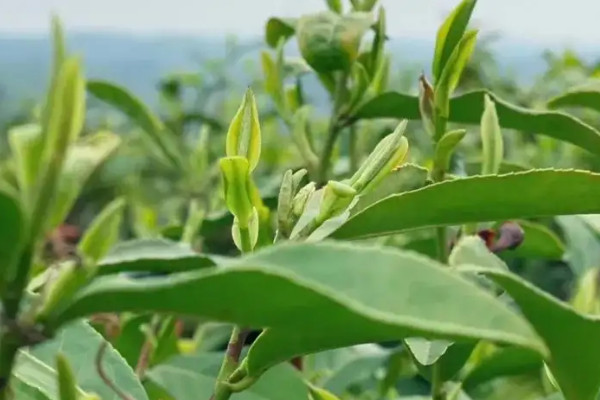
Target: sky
(558,22)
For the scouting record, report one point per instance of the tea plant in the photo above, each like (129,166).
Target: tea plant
(331,269)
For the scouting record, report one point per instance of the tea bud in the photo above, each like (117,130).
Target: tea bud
(491,139)
(243,136)
(284,202)
(236,183)
(337,196)
(67,385)
(388,153)
(301,199)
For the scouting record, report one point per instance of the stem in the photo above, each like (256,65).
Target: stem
(439,174)
(236,341)
(437,392)
(442,243)
(352,149)
(333,130)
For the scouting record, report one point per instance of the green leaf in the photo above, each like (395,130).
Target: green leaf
(23,391)
(583,244)
(79,343)
(479,199)
(12,233)
(331,287)
(507,361)
(450,34)
(193,377)
(139,113)
(444,149)
(427,352)
(330,42)
(26,145)
(467,109)
(445,85)
(277,28)
(103,232)
(152,255)
(586,96)
(82,160)
(472,250)
(132,337)
(539,242)
(578,377)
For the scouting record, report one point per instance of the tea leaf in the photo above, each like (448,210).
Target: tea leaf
(103,232)
(329,42)
(277,28)
(79,343)
(12,233)
(578,377)
(444,149)
(193,376)
(330,287)
(467,109)
(586,96)
(137,111)
(479,199)
(450,34)
(152,255)
(82,160)
(427,352)
(26,145)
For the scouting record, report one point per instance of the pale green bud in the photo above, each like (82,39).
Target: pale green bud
(337,196)
(243,136)
(67,385)
(236,184)
(491,139)
(301,199)
(426,105)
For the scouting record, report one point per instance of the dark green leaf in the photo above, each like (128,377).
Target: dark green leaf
(479,199)
(467,108)
(12,231)
(278,28)
(153,255)
(587,96)
(331,287)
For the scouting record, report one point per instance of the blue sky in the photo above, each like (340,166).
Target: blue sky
(560,22)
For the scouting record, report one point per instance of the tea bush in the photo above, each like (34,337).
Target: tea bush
(286,257)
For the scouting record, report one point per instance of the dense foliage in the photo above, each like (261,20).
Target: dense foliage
(443,245)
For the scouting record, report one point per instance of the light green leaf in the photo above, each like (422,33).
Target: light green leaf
(103,232)
(139,113)
(427,352)
(479,199)
(330,42)
(26,145)
(277,28)
(586,96)
(472,250)
(82,160)
(578,377)
(331,287)
(467,109)
(79,343)
(152,255)
(445,85)
(450,34)
(23,391)
(444,149)
(317,393)
(193,377)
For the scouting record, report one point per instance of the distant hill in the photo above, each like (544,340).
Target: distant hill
(139,61)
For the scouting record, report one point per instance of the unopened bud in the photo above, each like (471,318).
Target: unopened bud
(337,196)
(491,139)
(284,202)
(301,199)
(243,136)
(387,155)
(426,105)
(236,184)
